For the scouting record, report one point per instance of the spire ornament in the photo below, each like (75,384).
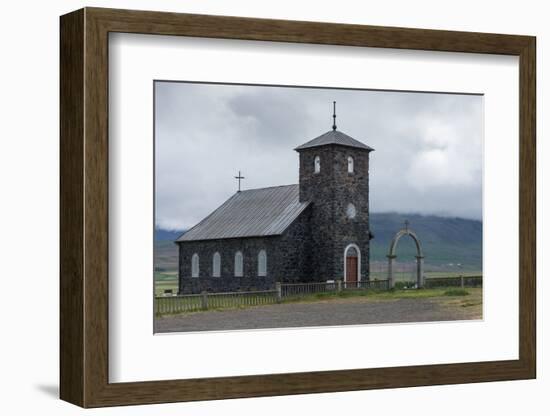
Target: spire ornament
(334,116)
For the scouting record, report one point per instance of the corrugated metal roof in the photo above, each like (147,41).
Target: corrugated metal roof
(251,213)
(334,137)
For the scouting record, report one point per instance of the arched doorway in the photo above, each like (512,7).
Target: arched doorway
(352,265)
(419,256)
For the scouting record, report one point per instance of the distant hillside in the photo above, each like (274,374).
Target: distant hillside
(167,235)
(446,242)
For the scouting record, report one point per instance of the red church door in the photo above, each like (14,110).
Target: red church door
(351,271)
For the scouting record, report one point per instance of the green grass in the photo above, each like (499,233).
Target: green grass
(167,284)
(408,294)
(330,295)
(372,294)
(456,292)
(411,276)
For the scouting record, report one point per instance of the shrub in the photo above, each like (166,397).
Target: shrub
(404,284)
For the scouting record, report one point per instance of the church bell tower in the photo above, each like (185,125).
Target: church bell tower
(334,178)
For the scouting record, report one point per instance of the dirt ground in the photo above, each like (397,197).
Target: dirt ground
(346,311)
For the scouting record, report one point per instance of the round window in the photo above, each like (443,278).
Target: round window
(351,212)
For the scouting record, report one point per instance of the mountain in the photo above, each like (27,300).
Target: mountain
(167,235)
(446,242)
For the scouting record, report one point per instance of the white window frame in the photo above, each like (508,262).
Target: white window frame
(239,264)
(216,264)
(356,247)
(262,263)
(351,164)
(317,164)
(195,265)
(351,211)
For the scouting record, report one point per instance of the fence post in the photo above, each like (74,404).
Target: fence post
(339,286)
(419,272)
(462,281)
(279,291)
(204,300)
(391,258)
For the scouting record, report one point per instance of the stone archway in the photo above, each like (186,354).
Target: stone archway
(419,256)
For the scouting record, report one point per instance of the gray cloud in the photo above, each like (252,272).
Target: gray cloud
(428,156)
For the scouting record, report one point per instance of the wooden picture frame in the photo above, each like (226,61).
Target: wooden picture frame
(84,207)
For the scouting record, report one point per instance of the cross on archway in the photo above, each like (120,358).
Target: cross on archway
(239,177)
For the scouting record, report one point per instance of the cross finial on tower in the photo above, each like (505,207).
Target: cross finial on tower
(239,177)
(334,115)
(407,225)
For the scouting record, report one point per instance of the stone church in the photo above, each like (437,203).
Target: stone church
(314,231)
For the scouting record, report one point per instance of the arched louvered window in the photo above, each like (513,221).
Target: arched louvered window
(216,265)
(350,164)
(195,265)
(238,264)
(262,263)
(317,164)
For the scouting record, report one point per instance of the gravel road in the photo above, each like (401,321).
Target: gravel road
(334,312)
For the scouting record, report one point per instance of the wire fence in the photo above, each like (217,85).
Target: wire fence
(455,281)
(376,284)
(192,303)
(293,290)
(170,304)
(297,290)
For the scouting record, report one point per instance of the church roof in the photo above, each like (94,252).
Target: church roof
(251,213)
(334,137)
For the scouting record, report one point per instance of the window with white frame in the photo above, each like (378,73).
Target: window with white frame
(351,211)
(195,265)
(317,164)
(262,263)
(350,164)
(216,265)
(238,264)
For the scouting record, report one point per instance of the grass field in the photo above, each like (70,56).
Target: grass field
(165,281)
(390,294)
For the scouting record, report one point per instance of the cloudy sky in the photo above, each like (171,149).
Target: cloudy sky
(427,158)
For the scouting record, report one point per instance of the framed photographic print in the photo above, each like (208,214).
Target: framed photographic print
(255,207)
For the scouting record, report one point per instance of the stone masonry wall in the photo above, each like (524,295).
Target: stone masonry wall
(318,189)
(351,188)
(330,192)
(287,260)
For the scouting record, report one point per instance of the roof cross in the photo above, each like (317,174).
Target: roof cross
(239,177)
